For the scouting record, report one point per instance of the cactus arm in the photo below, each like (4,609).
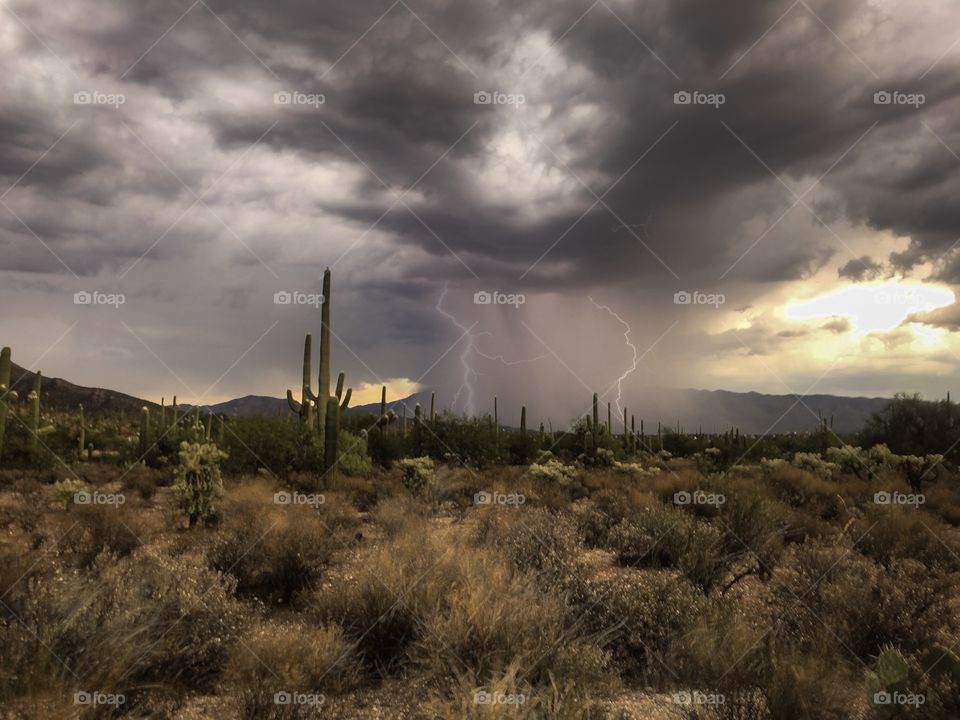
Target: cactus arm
(346,399)
(323,391)
(295,407)
(340,380)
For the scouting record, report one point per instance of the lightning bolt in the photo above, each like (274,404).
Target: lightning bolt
(626,338)
(471,347)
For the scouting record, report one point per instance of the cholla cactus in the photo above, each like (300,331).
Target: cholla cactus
(549,468)
(418,473)
(198,483)
(812,462)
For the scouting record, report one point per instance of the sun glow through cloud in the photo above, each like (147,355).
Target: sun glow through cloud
(873,307)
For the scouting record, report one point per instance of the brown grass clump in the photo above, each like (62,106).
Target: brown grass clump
(276,550)
(287,658)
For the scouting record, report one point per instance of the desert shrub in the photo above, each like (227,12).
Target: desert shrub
(417,473)
(281,445)
(273,551)
(888,532)
(382,600)
(94,529)
(535,541)
(66,490)
(670,538)
(396,514)
(198,483)
(494,618)
(140,480)
(146,619)
(834,598)
(353,457)
(641,618)
(289,657)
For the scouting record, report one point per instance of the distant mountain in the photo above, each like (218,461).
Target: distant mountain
(716,410)
(752,412)
(57,394)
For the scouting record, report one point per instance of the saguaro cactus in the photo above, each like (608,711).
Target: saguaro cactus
(432,413)
(6,395)
(596,417)
(34,398)
(144,431)
(609,421)
(304,408)
(523,421)
(383,410)
(82,437)
(323,392)
(626,432)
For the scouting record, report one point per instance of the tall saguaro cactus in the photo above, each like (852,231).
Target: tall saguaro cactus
(82,437)
(596,418)
(523,421)
(323,391)
(6,395)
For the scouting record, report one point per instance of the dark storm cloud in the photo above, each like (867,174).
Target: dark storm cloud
(860,269)
(505,188)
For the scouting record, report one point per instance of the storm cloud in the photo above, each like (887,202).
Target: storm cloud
(628,151)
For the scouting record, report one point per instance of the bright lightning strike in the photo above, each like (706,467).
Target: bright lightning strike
(471,347)
(626,338)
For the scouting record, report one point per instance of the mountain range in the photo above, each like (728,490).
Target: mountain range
(716,410)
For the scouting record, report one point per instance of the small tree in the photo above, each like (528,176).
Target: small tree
(198,483)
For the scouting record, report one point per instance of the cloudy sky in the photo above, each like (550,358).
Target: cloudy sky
(669,192)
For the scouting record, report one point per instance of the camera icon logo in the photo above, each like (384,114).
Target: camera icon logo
(82,698)
(482,97)
(82,498)
(882,97)
(82,298)
(84,97)
(881,498)
(482,298)
(282,297)
(682,698)
(282,498)
(283,97)
(682,98)
(282,698)
(481,697)
(682,498)
(682,298)
(882,698)
(482,498)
